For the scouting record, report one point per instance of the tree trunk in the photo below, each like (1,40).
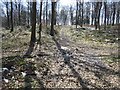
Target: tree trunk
(33,31)
(114,12)
(71,15)
(49,17)
(96,11)
(52,19)
(105,6)
(19,20)
(82,16)
(11,16)
(28,8)
(92,14)
(100,5)
(76,14)
(8,22)
(118,16)
(46,12)
(40,26)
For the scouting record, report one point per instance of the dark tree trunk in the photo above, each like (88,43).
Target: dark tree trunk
(19,20)
(33,30)
(40,26)
(82,16)
(118,16)
(8,22)
(55,14)
(97,14)
(11,16)
(100,5)
(28,22)
(49,17)
(46,12)
(92,14)
(71,15)
(76,14)
(114,10)
(105,7)
(52,19)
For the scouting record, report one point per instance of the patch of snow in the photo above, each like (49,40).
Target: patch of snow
(6,80)
(64,48)
(5,69)
(23,74)
(36,72)
(117,38)
(13,77)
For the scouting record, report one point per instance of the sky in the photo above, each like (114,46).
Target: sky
(67,2)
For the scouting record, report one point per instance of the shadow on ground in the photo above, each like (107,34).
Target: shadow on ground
(17,68)
(98,70)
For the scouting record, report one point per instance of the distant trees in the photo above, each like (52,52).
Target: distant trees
(94,13)
(63,15)
(87,14)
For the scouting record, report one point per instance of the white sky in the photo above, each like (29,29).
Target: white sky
(67,2)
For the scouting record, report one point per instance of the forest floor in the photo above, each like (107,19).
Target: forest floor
(74,58)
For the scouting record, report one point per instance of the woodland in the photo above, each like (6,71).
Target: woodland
(45,44)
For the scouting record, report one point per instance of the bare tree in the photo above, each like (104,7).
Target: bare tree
(52,19)
(19,10)
(76,14)
(71,15)
(28,14)
(40,26)
(93,14)
(114,12)
(105,7)
(46,12)
(11,13)
(118,13)
(7,10)
(97,14)
(33,29)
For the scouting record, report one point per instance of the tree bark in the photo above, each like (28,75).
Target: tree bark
(114,12)
(82,15)
(33,31)
(100,6)
(40,26)
(46,12)
(8,22)
(52,19)
(105,7)
(11,16)
(19,20)
(76,14)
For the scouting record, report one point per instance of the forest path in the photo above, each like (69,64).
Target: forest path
(62,63)
(79,65)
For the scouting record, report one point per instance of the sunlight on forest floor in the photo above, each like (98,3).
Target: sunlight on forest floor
(41,67)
